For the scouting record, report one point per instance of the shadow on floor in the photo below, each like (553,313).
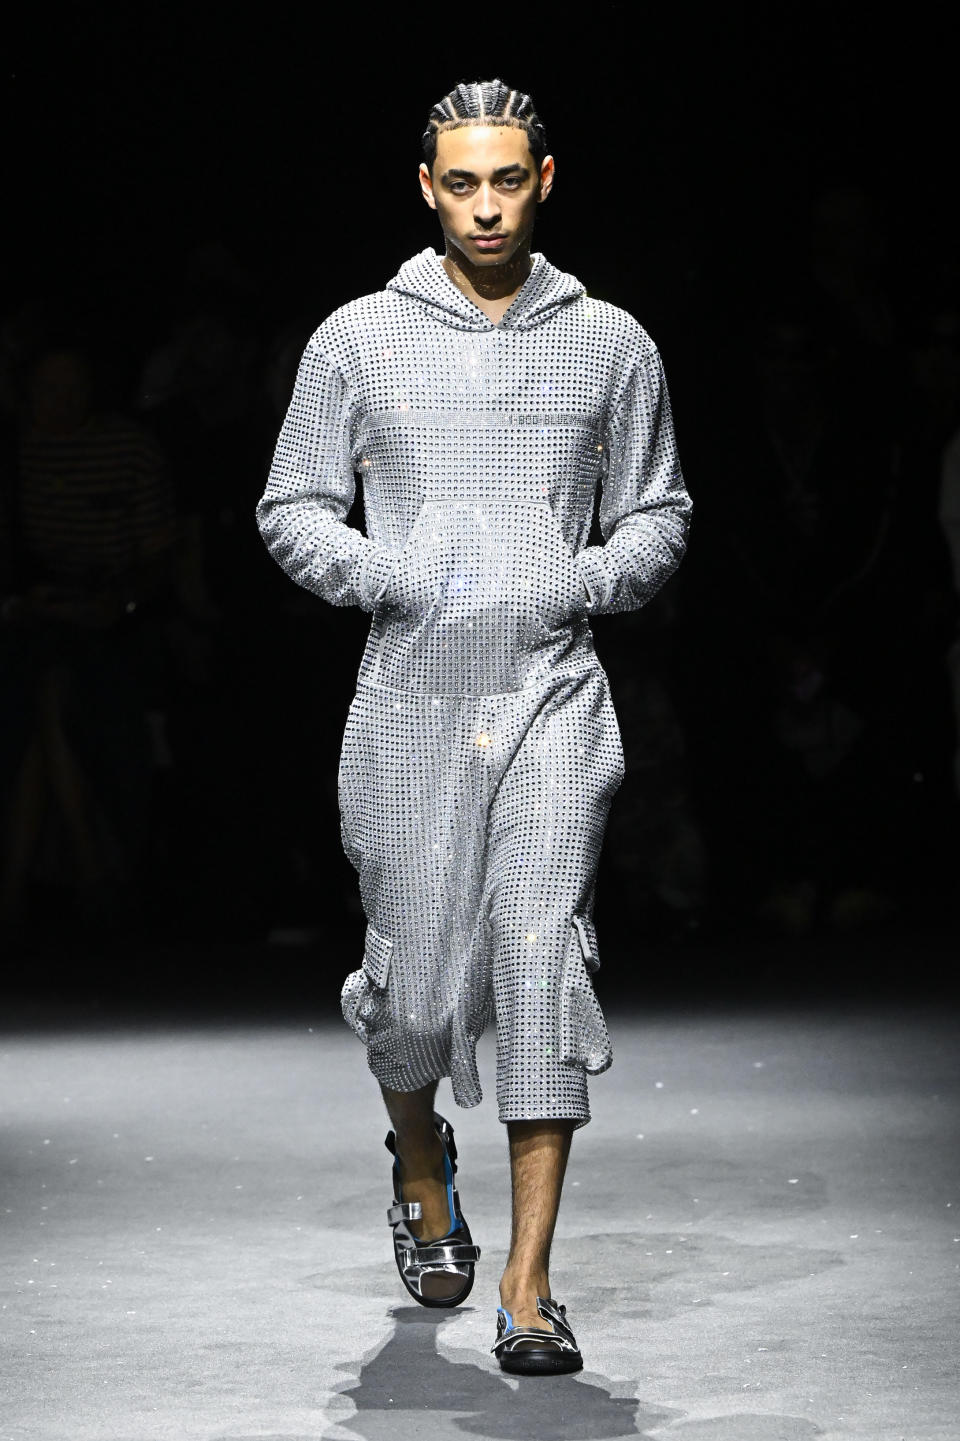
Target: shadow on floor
(409,1375)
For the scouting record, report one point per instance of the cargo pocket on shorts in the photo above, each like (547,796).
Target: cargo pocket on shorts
(364,991)
(583,1032)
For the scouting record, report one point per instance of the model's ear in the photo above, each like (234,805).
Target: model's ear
(546,177)
(426,187)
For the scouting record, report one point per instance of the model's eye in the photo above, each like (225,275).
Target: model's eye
(459,187)
(512,182)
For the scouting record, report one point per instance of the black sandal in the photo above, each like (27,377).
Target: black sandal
(554,1353)
(453,1254)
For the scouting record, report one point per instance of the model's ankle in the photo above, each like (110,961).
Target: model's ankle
(523,1281)
(419,1153)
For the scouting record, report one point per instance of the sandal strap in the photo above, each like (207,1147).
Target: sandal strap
(440,1254)
(562,1336)
(443,1129)
(531,1333)
(551,1311)
(404,1211)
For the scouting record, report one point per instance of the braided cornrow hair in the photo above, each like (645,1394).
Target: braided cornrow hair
(484,102)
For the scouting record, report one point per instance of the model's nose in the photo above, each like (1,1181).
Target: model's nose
(486,208)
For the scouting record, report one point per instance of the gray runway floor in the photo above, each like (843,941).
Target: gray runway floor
(759,1240)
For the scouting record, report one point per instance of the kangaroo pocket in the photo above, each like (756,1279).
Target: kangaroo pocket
(478,587)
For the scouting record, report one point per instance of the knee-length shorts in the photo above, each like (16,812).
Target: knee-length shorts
(475,824)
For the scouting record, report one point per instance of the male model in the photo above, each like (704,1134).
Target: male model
(481,397)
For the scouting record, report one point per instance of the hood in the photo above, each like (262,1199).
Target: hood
(544,291)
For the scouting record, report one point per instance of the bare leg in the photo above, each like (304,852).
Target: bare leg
(420,1156)
(538,1162)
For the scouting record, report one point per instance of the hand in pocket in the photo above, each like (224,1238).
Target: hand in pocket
(412,586)
(566,595)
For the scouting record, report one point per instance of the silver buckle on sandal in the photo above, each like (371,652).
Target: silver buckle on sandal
(404,1211)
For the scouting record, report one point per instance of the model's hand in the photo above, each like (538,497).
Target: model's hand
(566,597)
(552,593)
(412,586)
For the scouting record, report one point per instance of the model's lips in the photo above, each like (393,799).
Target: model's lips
(488,242)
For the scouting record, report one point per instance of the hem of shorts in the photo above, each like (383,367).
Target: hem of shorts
(465,1100)
(511,1113)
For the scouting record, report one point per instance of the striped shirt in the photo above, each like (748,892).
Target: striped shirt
(94,505)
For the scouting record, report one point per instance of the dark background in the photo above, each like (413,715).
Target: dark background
(193,191)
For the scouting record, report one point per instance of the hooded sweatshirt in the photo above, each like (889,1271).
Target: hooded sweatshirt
(481,448)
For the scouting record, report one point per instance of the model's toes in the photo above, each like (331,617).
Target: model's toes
(440,1285)
(529,1345)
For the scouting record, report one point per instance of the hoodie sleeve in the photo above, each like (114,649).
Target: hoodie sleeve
(310,489)
(645,509)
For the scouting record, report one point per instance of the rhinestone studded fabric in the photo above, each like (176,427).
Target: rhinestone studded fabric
(481,751)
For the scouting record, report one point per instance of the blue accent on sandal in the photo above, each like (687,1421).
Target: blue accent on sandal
(448,1174)
(508,1316)
(448,1171)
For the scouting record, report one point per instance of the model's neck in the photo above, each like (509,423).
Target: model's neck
(491,287)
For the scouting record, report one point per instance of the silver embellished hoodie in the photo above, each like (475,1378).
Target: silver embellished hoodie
(481,448)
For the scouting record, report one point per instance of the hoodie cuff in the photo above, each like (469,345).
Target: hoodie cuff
(593,573)
(376,568)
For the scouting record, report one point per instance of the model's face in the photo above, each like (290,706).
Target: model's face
(485,189)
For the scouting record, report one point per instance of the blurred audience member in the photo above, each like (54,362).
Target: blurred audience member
(655,844)
(200,389)
(93,533)
(950,520)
